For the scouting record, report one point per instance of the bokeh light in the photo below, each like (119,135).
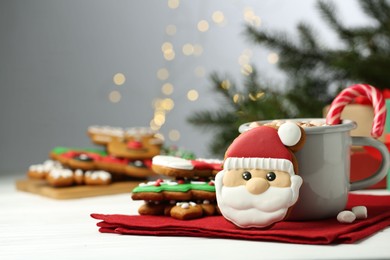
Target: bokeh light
(167,89)
(174,135)
(251,18)
(273,58)
(167,104)
(169,55)
(119,79)
(114,96)
(198,50)
(163,74)
(225,84)
(188,49)
(246,69)
(256,96)
(170,29)
(192,95)
(166,46)
(237,98)
(203,26)
(173,4)
(218,17)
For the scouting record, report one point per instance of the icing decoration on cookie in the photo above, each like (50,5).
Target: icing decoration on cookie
(106,130)
(83,157)
(168,185)
(185,164)
(258,183)
(95,175)
(172,162)
(61,173)
(135,145)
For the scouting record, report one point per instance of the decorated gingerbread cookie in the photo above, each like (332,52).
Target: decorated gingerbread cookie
(96,159)
(259,183)
(102,135)
(40,171)
(138,143)
(181,199)
(180,167)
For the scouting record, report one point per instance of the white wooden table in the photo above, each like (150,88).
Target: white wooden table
(35,227)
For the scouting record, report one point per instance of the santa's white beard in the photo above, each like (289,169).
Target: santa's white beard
(245,209)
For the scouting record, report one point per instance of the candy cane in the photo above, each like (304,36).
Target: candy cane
(347,95)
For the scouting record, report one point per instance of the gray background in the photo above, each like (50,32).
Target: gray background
(58,59)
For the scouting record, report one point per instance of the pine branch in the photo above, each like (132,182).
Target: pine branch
(329,14)
(378,10)
(307,39)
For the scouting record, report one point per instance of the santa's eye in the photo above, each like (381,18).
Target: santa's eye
(246,176)
(271,176)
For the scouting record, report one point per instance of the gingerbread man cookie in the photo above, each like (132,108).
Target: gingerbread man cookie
(259,183)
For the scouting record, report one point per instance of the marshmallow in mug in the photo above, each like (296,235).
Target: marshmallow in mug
(277,123)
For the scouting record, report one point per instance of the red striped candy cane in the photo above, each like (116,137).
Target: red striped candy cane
(347,95)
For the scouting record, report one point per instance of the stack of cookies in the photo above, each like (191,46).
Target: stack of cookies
(187,192)
(124,153)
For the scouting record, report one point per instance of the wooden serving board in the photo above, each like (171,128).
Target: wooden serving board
(74,192)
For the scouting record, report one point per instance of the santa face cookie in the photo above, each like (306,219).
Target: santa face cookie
(258,184)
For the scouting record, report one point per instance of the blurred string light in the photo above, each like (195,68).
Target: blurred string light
(225,84)
(164,105)
(244,61)
(168,52)
(256,96)
(173,4)
(203,26)
(188,49)
(219,18)
(119,79)
(250,17)
(273,58)
(114,96)
(246,69)
(170,29)
(167,89)
(174,135)
(163,74)
(198,49)
(192,95)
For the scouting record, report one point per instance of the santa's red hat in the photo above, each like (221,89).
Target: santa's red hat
(265,148)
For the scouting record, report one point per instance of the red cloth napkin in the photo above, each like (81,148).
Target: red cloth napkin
(328,231)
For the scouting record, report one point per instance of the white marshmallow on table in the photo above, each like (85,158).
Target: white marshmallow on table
(346,216)
(360,212)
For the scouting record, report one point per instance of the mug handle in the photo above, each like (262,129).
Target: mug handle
(383,169)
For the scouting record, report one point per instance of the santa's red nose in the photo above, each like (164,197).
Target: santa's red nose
(257,186)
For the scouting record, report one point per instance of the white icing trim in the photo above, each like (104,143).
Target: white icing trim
(106,130)
(61,173)
(172,162)
(95,175)
(259,163)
